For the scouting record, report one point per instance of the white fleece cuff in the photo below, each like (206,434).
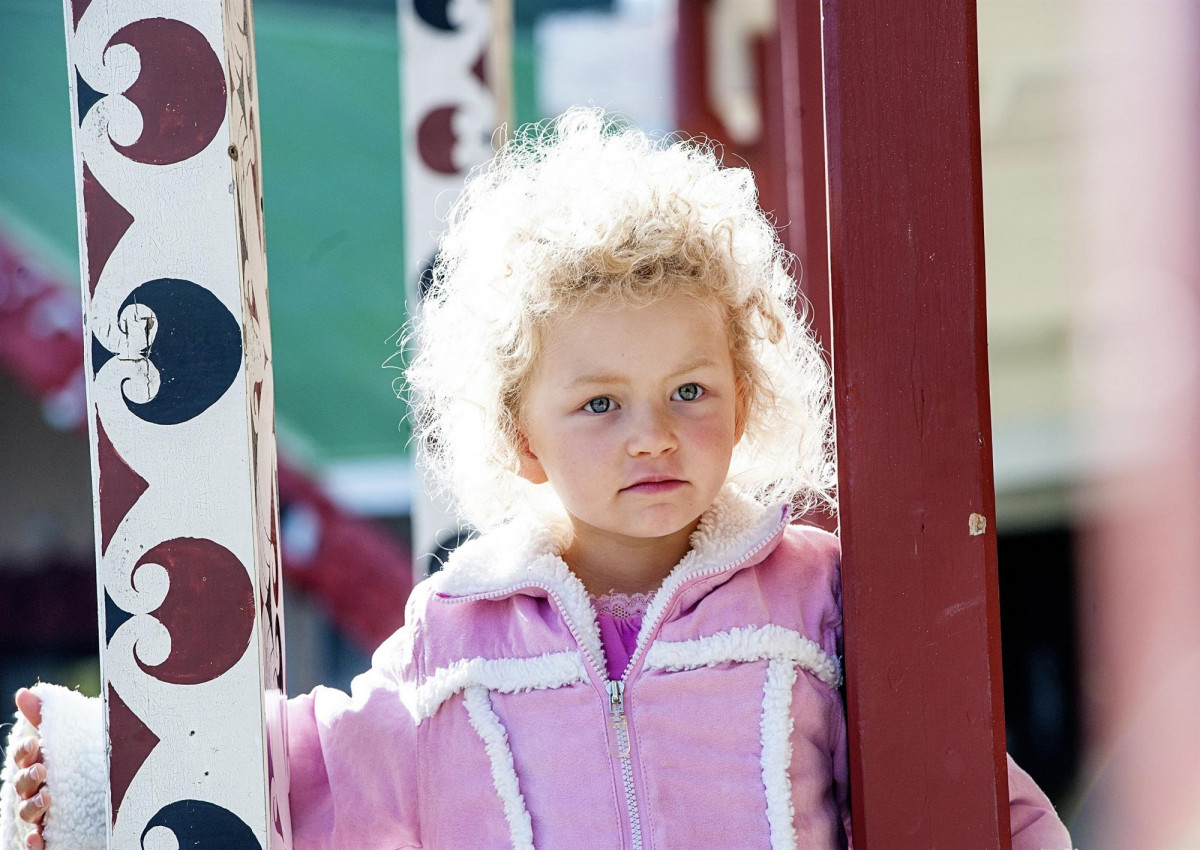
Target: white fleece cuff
(72,734)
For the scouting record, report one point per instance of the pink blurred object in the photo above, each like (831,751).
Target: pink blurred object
(1138,347)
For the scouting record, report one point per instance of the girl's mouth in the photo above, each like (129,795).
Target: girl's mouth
(653,487)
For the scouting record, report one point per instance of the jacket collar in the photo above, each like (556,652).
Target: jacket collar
(524,554)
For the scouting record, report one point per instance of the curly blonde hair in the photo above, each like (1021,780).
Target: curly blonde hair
(583,210)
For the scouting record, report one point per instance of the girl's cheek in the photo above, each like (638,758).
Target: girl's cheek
(713,428)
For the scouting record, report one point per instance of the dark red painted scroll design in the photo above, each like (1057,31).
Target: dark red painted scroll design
(106,222)
(180,90)
(78,7)
(200,825)
(132,744)
(479,70)
(120,486)
(436,139)
(208,610)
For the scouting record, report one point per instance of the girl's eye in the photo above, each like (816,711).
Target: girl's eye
(598,405)
(689,392)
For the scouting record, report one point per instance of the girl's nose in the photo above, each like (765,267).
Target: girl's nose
(652,434)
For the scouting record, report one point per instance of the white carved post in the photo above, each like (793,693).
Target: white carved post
(180,409)
(456,83)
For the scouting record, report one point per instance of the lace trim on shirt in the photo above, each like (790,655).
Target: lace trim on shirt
(623,606)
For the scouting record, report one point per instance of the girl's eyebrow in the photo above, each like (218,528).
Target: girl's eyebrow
(609,379)
(589,380)
(701,362)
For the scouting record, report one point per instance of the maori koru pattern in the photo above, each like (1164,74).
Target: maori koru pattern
(450,116)
(178,353)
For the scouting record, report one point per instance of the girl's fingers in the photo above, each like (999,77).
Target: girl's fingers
(32,811)
(30,705)
(30,752)
(29,781)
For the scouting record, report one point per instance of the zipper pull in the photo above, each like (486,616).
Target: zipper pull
(616,709)
(616,698)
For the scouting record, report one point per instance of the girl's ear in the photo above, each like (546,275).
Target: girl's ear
(530,467)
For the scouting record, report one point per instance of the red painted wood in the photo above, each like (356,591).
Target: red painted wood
(789,160)
(694,114)
(924,701)
(792,174)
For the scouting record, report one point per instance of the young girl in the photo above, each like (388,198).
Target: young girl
(639,649)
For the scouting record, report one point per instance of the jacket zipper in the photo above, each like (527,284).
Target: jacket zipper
(616,687)
(616,709)
(616,702)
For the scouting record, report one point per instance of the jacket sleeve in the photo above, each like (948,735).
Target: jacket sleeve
(1035,825)
(351,758)
(353,763)
(72,734)
(832,642)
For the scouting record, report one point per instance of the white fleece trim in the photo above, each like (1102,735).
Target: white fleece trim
(72,733)
(506,675)
(527,552)
(521,554)
(776,731)
(732,528)
(751,643)
(504,772)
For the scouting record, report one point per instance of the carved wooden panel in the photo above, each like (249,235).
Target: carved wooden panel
(180,409)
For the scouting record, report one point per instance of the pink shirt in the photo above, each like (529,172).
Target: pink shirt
(620,619)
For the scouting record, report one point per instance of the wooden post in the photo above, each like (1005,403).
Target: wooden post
(180,411)
(795,132)
(788,157)
(924,701)
(456,84)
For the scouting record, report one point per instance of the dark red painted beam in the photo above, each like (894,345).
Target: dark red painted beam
(924,700)
(788,161)
(794,142)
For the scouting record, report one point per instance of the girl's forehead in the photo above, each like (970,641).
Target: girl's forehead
(615,315)
(675,330)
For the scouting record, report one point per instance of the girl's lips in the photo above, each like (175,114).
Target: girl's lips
(652,487)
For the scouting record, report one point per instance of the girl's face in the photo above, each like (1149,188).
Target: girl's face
(632,415)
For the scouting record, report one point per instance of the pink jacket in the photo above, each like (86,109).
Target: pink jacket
(489,720)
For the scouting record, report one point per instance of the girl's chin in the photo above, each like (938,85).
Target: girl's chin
(668,525)
(644,527)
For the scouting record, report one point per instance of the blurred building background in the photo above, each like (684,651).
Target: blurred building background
(328,78)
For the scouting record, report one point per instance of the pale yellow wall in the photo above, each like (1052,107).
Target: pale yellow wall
(1027,59)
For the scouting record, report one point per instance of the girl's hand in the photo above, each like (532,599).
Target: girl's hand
(30,781)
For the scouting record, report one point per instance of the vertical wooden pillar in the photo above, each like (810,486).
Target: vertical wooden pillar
(180,411)
(795,140)
(924,701)
(788,158)
(456,88)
